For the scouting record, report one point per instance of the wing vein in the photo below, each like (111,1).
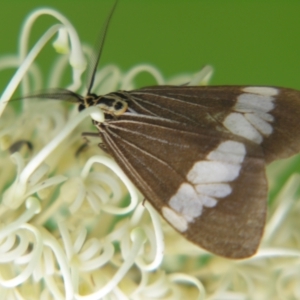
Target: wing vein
(146,153)
(171,98)
(125,161)
(134,132)
(136,100)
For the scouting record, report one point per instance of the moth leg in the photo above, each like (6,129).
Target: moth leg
(86,142)
(93,134)
(103,147)
(86,134)
(81,148)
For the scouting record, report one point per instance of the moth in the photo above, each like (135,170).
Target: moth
(198,153)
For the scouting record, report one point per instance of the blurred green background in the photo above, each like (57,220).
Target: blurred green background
(247,42)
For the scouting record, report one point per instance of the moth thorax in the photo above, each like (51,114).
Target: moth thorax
(110,105)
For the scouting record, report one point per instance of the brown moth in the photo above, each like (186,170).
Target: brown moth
(198,154)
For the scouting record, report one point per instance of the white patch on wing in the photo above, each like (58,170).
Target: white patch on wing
(229,151)
(255,102)
(219,190)
(213,171)
(251,119)
(208,181)
(175,219)
(186,202)
(265,116)
(208,201)
(261,125)
(238,124)
(261,90)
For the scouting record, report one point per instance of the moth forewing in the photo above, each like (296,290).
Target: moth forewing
(267,116)
(210,186)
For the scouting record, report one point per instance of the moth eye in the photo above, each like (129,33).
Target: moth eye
(90,101)
(81,107)
(119,105)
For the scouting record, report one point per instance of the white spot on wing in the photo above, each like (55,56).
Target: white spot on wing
(213,171)
(178,221)
(255,102)
(186,202)
(219,190)
(207,180)
(209,201)
(238,124)
(261,90)
(252,117)
(260,124)
(265,116)
(229,151)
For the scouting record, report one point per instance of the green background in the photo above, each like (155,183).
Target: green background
(247,42)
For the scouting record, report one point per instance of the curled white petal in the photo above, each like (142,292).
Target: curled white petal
(184,278)
(43,154)
(114,167)
(20,73)
(138,238)
(35,256)
(128,78)
(33,207)
(159,242)
(61,44)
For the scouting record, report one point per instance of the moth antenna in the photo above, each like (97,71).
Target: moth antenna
(93,63)
(54,94)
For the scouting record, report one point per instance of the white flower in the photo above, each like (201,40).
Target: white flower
(74,227)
